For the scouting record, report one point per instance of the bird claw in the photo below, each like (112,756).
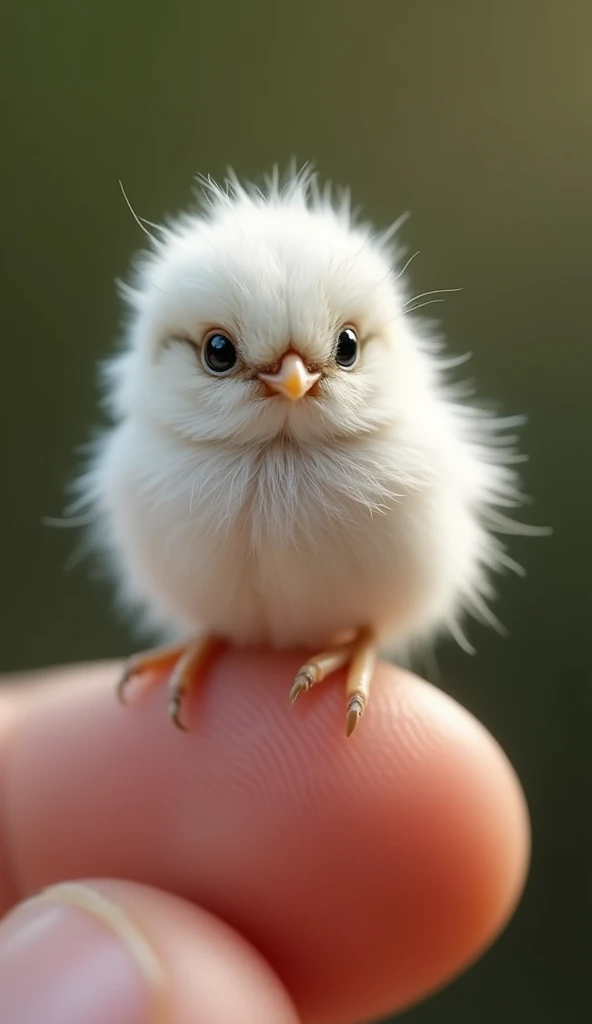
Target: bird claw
(360,654)
(185,665)
(354,711)
(122,686)
(174,707)
(302,683)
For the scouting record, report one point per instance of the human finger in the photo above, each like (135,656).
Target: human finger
(367,871)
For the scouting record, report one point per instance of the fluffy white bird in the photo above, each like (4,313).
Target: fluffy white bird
(287,464)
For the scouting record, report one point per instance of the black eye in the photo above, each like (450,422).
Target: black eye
(347,348)
(219,353)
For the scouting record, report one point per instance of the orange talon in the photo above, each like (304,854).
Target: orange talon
(154,662)
(185,663)
(360,654)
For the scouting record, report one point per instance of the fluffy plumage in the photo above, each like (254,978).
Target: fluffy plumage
(372,501)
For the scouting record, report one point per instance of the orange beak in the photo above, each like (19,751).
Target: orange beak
(292,379)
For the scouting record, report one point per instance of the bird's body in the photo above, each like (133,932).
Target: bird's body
(279,545)
(233,509)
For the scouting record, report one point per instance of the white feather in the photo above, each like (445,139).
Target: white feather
(266,521)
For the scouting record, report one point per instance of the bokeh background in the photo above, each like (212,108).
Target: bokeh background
(477,117)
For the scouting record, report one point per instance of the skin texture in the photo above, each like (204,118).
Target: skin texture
(333,881)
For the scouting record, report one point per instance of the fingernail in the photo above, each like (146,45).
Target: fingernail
(70,955)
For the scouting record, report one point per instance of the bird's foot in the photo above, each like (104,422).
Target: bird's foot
(360,655)
(186,664)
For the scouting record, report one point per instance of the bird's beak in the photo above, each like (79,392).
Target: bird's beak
(292,379)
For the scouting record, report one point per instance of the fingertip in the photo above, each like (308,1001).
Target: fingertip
(407,844)
(413,833)
(368,870)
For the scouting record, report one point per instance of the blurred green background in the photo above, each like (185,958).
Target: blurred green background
(475,116)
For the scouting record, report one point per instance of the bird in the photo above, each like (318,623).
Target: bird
(289,460)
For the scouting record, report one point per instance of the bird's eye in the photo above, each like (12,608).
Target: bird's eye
(219,354)
(347,348)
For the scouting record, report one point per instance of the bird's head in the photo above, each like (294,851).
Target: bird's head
(265,315)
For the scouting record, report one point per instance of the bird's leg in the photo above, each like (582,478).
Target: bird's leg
(318,668)
(187,673)
(361,671)
(149,663)
(186,664)
(360,654)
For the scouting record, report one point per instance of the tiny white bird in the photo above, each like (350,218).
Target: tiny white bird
(287,464)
